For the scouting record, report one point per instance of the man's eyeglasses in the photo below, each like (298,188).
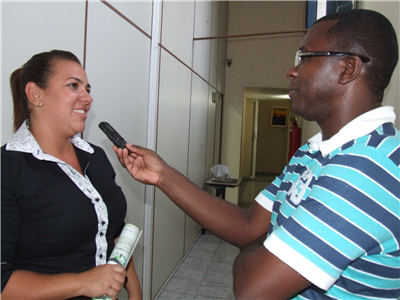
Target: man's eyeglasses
(300,54)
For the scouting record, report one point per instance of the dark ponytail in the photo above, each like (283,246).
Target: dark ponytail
(21,111)
(38,70)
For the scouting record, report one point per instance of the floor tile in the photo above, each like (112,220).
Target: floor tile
(228,256)
(190,273)
(165,295)
(214,291)
(183,286)
(196,262)
(201,253)
(220,277)
(206,272)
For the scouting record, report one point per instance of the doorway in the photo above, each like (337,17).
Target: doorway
(265,140)
(269,155)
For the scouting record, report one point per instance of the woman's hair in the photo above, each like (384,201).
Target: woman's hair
(38,70)
(367,33)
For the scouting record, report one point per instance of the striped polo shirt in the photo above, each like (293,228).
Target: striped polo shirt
(336,211)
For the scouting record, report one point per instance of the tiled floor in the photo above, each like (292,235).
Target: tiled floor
(206,272)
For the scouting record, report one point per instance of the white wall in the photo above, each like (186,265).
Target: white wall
(129,90)
(26,31)
(119,75)
(262,62)
(184,131)
(390,9)
(256,62)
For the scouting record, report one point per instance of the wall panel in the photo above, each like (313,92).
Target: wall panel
(214,43)
(117,61)
(198,131)
(172,145)
(197,147)
(139,12)
(256,62)
(202,28)
(177,29)
(119,78)
(221,19)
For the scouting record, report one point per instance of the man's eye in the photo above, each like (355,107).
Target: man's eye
(302,59)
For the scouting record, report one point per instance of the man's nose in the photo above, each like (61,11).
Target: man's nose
(291,73)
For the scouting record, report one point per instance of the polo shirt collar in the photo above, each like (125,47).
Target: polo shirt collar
(360,126)
(24,141)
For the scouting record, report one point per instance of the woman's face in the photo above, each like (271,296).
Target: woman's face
(66,101)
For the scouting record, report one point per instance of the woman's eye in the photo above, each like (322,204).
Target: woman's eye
(88,91)
(74,85)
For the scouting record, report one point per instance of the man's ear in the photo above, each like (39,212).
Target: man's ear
(33,93)
(351,69)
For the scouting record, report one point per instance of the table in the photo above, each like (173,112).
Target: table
(220,188)
(221,185)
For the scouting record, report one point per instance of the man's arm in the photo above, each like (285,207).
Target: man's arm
(258,274)
(230,222)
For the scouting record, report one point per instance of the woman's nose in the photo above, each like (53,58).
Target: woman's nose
(86,97)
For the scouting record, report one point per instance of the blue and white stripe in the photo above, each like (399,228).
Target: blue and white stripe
(344,234)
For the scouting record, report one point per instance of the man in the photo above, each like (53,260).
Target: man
(328,227)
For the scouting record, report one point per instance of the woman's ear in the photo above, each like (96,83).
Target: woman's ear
(352,69)
(33,93)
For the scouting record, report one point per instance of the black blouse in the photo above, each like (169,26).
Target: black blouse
(48,224)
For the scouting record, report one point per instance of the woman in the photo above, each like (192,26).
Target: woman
(61,208)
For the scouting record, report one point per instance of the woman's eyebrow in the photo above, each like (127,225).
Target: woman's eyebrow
(79,80)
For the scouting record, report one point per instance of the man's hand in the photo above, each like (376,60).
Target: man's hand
(143,164)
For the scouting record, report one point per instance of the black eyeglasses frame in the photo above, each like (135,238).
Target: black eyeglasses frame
(300,54)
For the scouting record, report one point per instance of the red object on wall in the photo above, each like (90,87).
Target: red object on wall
(294,138)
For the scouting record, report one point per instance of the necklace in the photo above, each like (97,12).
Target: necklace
(69,154)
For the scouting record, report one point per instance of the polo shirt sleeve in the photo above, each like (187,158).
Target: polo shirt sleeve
(349,213)
(267,196)
(10,220)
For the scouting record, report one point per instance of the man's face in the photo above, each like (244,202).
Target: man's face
(314,81)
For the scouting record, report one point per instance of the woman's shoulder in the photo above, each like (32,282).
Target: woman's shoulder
(13,163)
(7,155)
(96,148)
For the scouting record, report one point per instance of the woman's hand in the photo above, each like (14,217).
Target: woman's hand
(105,279)
(100,280)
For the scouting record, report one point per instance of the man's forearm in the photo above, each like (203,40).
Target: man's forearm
(222,218)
